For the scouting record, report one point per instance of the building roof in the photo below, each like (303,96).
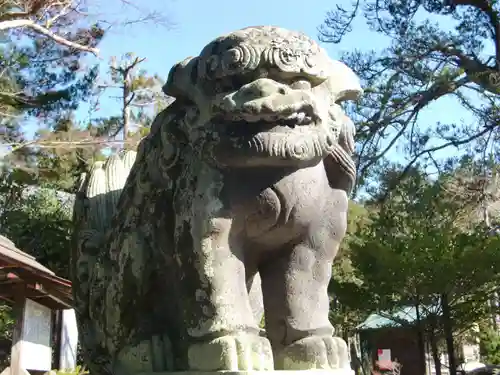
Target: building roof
(18,269)
(398,318)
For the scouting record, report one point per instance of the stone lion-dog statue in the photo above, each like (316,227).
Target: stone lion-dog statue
(232,208)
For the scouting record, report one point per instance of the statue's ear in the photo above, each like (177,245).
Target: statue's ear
(343,83)
(181,79)
(340,169)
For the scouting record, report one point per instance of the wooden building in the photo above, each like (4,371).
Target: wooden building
(396,334)
(38,298)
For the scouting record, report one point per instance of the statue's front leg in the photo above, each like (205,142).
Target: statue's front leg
(221,323)
(296,305)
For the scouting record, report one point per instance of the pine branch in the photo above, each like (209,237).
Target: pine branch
(6,25)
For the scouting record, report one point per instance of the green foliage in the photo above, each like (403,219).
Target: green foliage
(49,76)
(412,250)
(6,322)
(61,166)
(39,223)
(435,49)
(42,78)
(140,98)
(6,329)
(348,297)
(78,370)
(489,346)
(262,323)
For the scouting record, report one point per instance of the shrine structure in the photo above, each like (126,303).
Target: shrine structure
(45,335)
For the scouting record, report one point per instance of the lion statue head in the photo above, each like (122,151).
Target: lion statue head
(266,96)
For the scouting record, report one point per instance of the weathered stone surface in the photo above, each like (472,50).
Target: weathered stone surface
(235,204)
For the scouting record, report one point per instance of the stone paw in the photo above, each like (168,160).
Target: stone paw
(153,355)
(242,352)
(315,352)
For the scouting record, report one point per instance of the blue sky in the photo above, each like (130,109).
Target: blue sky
(198,22)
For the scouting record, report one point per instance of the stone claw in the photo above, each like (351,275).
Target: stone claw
(315,352)
(242,352)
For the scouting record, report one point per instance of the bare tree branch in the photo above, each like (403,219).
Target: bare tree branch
(42,17)
(6,25)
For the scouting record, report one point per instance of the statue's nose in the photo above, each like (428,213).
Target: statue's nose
(261,88)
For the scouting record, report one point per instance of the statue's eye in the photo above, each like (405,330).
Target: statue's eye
(223,85)
(301,85)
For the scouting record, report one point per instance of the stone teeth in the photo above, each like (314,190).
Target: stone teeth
(300,117)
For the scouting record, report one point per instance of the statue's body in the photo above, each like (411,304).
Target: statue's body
(240,186)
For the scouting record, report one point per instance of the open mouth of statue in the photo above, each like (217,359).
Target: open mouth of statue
(276,130)
(296,119)
(291,118)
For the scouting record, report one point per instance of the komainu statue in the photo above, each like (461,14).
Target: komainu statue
(232,209)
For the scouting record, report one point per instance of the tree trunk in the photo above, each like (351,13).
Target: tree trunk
(420,336)
(494,308)
(434,345)
(125,111)
(448,333)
